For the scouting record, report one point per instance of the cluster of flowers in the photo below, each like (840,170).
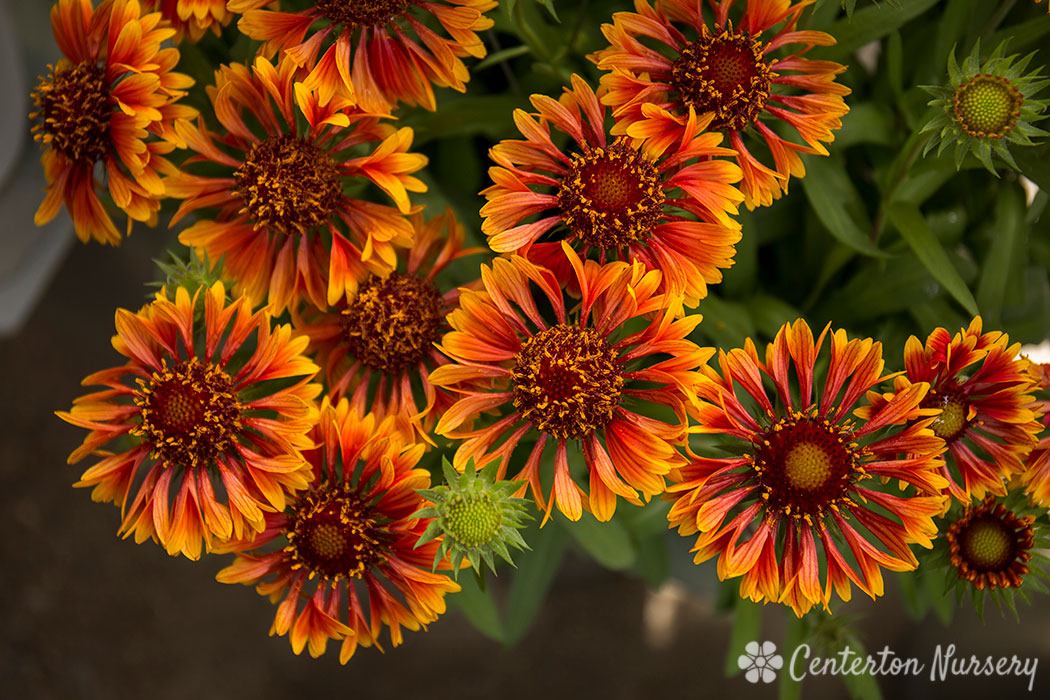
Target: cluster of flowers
(567,364)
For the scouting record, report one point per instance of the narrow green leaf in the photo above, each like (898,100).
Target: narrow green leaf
(747,626)
(895,63)
(1008,230)
(797,629)
(478,607)
(549,4)
(830,192)
(867,122)
(1035,164)
(913,228)
(501,56)
(1022,35)
(860,686)
(726,323)
(609,543)
(532,579)
(874,22)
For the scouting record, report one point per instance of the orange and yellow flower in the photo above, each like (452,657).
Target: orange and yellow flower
(286,224)
(668,205)
(987,405)
(377,347)
(109,106)
(806,477)
(574,375)
(373,58)
(352,534)
(729,71)
(193,18)
(205,421)
(1036,475)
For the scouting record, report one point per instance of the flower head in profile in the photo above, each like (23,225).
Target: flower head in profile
(204,423)
(106,110)
(192,18)
(476,515)
(800,505)
(370,54)
(987,416)
(668,205)
(288,180)
(987,107)
(342,557)
(666,63)
(528,367)
(377,345)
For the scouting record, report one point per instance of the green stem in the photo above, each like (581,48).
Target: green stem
(899,170)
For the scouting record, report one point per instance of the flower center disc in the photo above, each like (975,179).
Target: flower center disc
(288,184)
(333,535)
(189,413)
(567,381)
(392,322)
(987,106)
(361,13)
(473,519)
(74,104)
(724,74)
(988,544)
(954,414)
(804,465)
(611,196)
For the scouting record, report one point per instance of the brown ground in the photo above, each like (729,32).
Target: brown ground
(87,615)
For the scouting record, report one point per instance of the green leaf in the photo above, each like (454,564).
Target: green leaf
(747,626)
(502,56)
(787,687)
(830,192)
(1035,164)
(1022,35)
(867,122)
(609,543)
(914,229)
(872,23)
(478,607)
(532,579)
(861,686)
(726,323)
(490,115)
(1008,232)
(549,4)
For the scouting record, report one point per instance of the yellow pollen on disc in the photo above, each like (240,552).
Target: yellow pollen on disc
(987,544)
(987,106)
(328,541)
(361,13)
(334,535)
(807,466)
(953,419)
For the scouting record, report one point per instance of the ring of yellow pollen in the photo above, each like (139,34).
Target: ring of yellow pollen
(567,381)
(473,519)
(361,13)
(989,545)
(189,413)
(288,185)
(75,108)
(954,417)
(392,323)
(725,74)
(611,196)
(987,106)
(332,534)
(806,466)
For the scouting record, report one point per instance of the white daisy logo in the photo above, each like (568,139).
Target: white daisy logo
(760,662)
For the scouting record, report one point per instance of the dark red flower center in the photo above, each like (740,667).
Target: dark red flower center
(989,545)
(567,381)
(189,413)
(954,417)
(288,185)
(392,323)
(725,74)
(361,13)
(987,106)
(333,535)
(611,196)
(805,465)
(74,104)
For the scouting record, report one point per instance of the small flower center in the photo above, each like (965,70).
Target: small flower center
(725,74)
(288,184)
(567,381)
(74,104)
(990,545)
(805,465)
(611,196)
(361,13)
(189,413)
(987,106)
(333,535)
(392,323)
(473,519)
(954,417)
